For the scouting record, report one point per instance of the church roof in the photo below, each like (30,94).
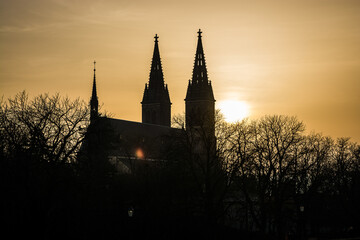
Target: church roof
(141,129)
(130,137)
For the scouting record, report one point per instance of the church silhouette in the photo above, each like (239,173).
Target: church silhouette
(149,139)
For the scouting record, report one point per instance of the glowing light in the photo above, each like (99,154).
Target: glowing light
(139,153)
(234,110)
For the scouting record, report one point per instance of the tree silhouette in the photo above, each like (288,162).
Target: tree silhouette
(292,183)
(266,177)
(40,138)
(50,127)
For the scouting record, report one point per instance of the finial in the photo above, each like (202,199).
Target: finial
(156,38)
(94,65)
(199,32)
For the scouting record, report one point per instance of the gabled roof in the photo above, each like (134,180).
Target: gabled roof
(140,129)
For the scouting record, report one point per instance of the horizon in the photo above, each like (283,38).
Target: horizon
(296,58)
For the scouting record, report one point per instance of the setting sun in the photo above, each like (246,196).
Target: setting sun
(234,110)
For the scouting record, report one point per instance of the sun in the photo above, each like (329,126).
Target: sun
(234,110)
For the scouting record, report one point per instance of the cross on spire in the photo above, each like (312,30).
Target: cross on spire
(156,38)
(199,32)
(94,65)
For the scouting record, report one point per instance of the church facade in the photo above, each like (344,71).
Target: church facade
(150,138)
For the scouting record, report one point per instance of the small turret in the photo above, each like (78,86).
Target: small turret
(94,104)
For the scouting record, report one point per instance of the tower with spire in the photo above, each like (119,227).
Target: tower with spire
(200,101)
(94,104)
(156,105)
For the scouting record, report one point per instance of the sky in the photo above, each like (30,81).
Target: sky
(293,57)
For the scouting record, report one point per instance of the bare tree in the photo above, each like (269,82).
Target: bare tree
(39,138)
(343,186)
(313,156)
(267,150)
(50,127)
(208,161)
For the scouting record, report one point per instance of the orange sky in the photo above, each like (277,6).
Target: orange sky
(280,57)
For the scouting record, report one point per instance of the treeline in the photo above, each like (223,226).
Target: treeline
(287,183)
(275,180)
(40,140)
(262,178)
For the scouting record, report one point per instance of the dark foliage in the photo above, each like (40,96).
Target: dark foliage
(265,179)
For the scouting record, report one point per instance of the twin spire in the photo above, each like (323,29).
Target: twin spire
(156,90)
(199,71)
(156,105)
(199,87)
(156,100)
(156,74)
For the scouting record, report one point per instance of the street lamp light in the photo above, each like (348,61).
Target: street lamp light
(302,219)
(131,212)
(302,208)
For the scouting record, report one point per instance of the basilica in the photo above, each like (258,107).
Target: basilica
(149,139)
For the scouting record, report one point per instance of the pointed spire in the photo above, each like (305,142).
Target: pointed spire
(199,86)
(199,72)
(200,101)
(156,105)
(156,73)
(94,104)
(155,90)
(94,94)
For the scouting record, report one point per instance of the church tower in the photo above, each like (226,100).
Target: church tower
(156,105)
(94,104)
(200,101)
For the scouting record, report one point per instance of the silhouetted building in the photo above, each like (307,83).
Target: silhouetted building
(156,105)
(148,140)
(200,101)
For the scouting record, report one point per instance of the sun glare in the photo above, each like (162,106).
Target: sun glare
(234,110)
